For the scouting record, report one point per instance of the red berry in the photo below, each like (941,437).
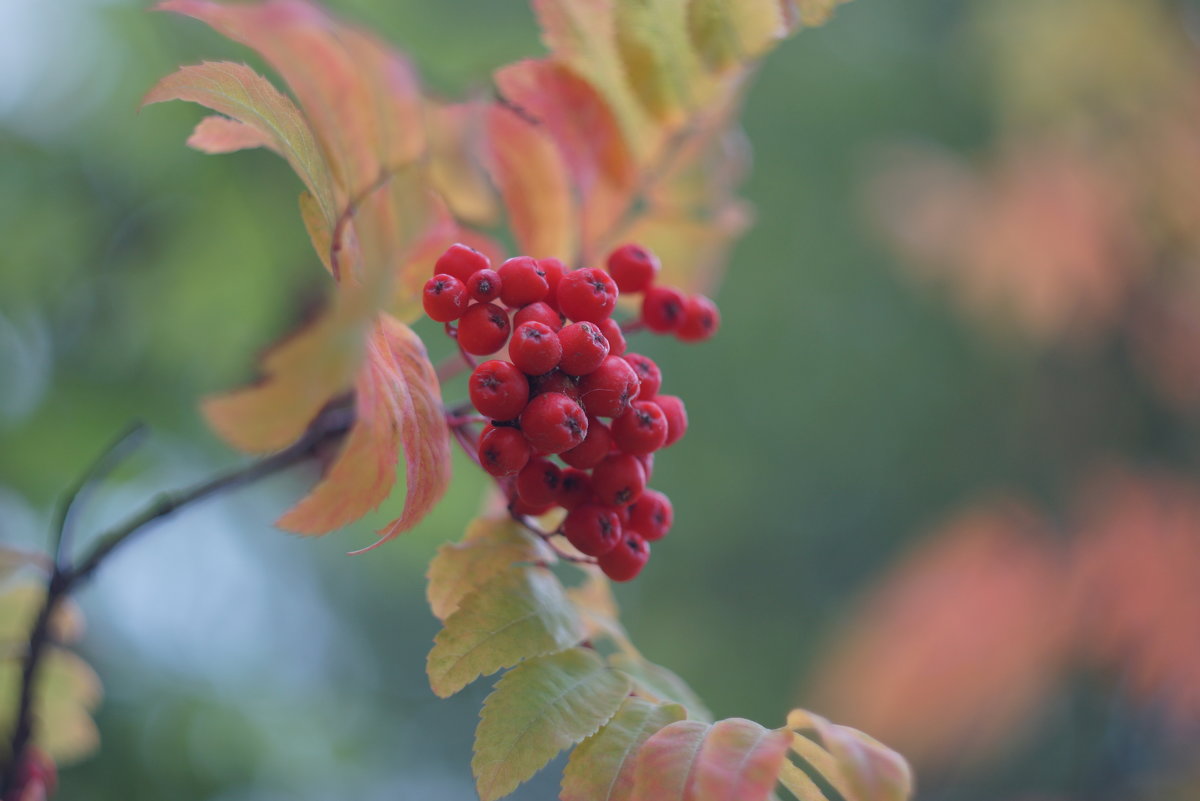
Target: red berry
(663,309)
(677,420)
(593,529)
(521,282)
(503,451)
(595,446)
(535,348)
(537,483)
(553,270)
(484,329)
(652,515)
(607,391)
(553,423)
(461,261)
(521,507)
(498,390)
(619,479)
(444,298)
(647,460)
(626,560)
(484,286)
(584,348)
(642,429)
(587,295)
(555,381)
(615,336)
(701,319)
(574,488)
(539,312)
(649,376)
(632,267)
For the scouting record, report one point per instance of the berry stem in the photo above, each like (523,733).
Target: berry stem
(548,538)
(632,326)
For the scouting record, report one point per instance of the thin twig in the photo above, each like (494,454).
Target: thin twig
(64,579)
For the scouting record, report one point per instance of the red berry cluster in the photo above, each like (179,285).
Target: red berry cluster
(567,373)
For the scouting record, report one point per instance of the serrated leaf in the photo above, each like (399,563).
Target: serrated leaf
(659,63)
(491,546)
(218,134)
(598,608)
(238,92)
(727,32)
(456,133)
(857,765)
(731,760)
(399,405)
(538,709)
(602,767)
(661,684)
(520,613)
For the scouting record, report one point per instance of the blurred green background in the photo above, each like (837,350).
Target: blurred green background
(841,411)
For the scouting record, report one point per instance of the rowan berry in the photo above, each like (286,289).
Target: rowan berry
(615,336)
(461,261)
(498,390)
(652,515)
(647,460)
(484,286)
(553,423)
(677,419)
(632,267)
(627,559)
(540,312)
(592,529)
(607,391)
(555,381)
(587,295)
(535,348)
(445,298)
(663,309)
(649,376)
(483,329)
(574,488)
(701,319)
(503,451)
(642,429)
(595,446)
(619,479)
(521,282)
(584,348)
(521,507)
(553,270)
(537,483)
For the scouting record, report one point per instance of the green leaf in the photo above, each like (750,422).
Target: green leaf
(520,613)
(537,710)
(491,546)
(731,760)
(601,768)
(660,684)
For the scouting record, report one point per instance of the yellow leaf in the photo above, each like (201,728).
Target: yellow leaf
(660,684)
(538,709)
(857,765)
(520,613)
(602,767)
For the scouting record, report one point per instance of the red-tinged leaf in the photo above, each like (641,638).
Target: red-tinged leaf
(67,692)
(739,761)
(667,760)
(491,546)
(217,134)
(860,767)
(534,182)
(586,133)
(398,404)
(360,97)
(238,92)
(602,767)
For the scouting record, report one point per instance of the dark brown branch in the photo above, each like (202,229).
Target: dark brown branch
(330,425)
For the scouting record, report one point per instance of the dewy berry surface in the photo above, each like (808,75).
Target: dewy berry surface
(550,443)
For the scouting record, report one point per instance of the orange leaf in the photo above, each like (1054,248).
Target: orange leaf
(398,405)
(224,135)
(533,180)
(731,760)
